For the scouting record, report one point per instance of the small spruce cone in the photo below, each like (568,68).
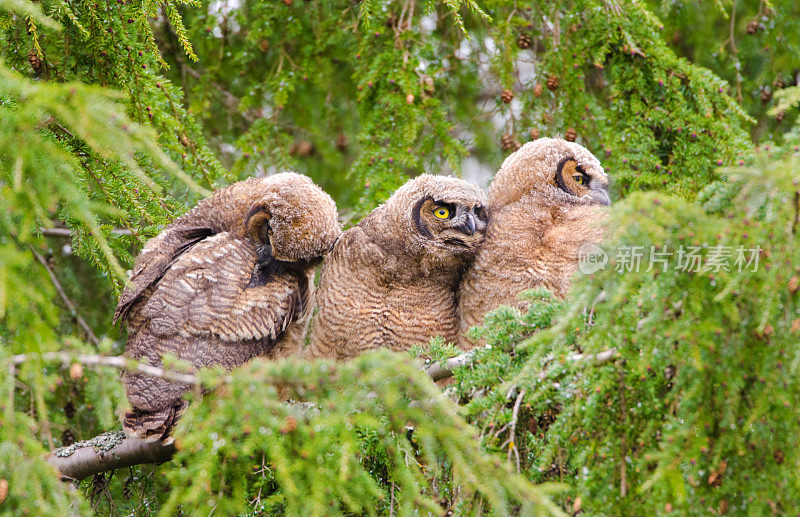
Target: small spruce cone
(780,116)
(184,140)
(752,27)
(537,90)
(34,60)
(779,84)
(779,456)
(535,133)
(552,82)
(509,142)
(301,148)
(766,95)
(507,95)
(571,135)
(69,410)
(524,41)
(341,142)
(68,437)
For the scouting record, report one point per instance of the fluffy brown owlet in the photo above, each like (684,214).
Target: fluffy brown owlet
(228,281)
(544,203)
(391,280)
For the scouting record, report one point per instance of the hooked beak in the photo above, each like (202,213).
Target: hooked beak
(468,226)
(600,196)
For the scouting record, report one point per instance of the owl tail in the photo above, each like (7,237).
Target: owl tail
(153,425)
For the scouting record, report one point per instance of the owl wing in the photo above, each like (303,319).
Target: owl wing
(158,256)
(215,289)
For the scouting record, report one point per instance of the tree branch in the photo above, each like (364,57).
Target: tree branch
(108,451)
(439,371)
(113,450)
(123,363)
(71,306)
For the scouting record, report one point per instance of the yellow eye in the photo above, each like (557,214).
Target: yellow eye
(441,212)
(580,179)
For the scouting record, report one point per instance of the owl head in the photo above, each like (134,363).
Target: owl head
(562,171)
(291,214)
(439,215)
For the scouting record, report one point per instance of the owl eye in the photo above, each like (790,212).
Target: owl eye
(441,212)
(580,179)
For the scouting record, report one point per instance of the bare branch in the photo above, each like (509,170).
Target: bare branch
(512,445)
(108,451)
(439,371)
(113,450)
(66,232)
(65,299)
(123,363)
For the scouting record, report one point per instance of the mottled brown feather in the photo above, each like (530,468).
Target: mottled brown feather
(535,228)
(211,292)
(386,284)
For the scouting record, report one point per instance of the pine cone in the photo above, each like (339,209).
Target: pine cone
(552,82)
(301,148)
(766,95)
(524,41)
(752,27)
(537,90)
(68,437)
(69,409)
(341,142)
(509,142)
(571,135)
(535,133)
(34,60)
(507,95)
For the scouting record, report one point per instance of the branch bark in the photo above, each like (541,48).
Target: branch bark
(108,451)
(439,371)
(113,450)
(123,363)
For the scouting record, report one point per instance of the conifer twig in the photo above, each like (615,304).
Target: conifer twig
(512,435)
(71,306)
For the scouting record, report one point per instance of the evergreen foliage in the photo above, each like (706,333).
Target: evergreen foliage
(115,117)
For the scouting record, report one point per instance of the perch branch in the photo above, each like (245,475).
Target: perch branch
(439,371)
(108,451)
(113,450)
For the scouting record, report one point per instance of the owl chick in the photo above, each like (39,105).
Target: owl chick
(228,281)
(544,203)
(391,280)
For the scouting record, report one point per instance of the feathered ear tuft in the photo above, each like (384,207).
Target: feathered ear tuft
(256,223)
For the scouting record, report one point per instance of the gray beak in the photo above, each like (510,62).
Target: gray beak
(600,197)
(468,225)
